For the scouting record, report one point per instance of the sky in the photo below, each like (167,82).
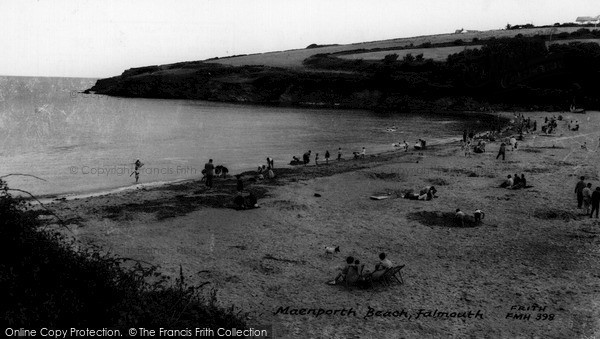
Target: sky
(102,38)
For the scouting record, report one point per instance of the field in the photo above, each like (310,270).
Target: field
(294,58)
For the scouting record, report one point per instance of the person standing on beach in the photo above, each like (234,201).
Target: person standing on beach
(339,154)
(210,173)
(579,191)
(327,155)
(363,153)
(270,162)
(502,151)
(138,164)
(317,159)
(595,202)
(587,197)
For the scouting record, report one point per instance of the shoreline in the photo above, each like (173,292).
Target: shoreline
(152,185)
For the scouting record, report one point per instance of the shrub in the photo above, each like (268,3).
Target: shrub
(45,282)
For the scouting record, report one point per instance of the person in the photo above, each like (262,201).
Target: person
(306,158)
(587,197)
(516,181)
(339,154)
(579,191)
(327,155)
(317,159)
(210,173)
(427,193)
(270,162)
(383,263)
(363,153)
(270,173)
(521,183)
(459,217)
(478,215)
(406,146)
(508,182)
(513,143)
(137,165)
(502,151)
(342,276)
(467,147)
(595,202)
(238,201)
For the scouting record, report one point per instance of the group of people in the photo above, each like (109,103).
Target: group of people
(353,264)
(515,182)
(587,199)
(426,193)
(306,156)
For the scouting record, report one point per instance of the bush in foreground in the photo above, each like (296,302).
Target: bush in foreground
(45,282)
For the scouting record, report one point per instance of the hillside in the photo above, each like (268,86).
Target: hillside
(536,68)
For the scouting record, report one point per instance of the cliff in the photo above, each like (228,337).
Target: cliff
(509,73)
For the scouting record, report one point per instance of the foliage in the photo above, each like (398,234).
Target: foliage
(47,282)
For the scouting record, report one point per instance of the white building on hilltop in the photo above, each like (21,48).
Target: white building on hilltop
(588,20)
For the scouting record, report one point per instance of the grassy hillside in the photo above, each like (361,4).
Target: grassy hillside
(538,68)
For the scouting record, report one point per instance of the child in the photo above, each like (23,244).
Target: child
(478,215)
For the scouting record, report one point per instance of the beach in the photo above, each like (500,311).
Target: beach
(530,269)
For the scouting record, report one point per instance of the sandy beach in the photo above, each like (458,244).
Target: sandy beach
(531,269)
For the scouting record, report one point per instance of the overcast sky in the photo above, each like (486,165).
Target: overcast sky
(102,38)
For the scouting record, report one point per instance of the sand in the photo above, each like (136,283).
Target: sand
(533,249)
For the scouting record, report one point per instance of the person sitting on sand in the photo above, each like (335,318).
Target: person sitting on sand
(383,263)
(270,173)
(508,182)
(520,182)
(238,201)
(459,217)
(295,160)
(516,181)
(478,215)
(342,276)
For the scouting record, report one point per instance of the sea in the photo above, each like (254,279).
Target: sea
(56,141)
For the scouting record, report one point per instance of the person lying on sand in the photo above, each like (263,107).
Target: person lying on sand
(427,193)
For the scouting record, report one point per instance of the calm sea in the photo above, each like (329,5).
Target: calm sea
(87,143)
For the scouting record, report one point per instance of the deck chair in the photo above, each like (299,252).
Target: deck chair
(393,274)
(379,276)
